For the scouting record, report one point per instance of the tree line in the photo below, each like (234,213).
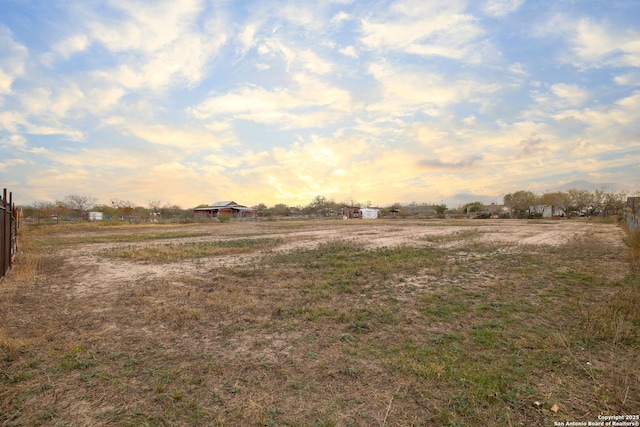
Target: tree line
(522,203)
(570,203)
(77,206)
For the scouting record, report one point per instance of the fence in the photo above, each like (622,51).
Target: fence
(632,213)
(8,233)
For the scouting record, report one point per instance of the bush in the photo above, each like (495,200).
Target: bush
(224,217)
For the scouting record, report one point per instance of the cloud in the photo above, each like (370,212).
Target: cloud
(554,99)
(66,48)
(296,58)
(607,120)
(531,146)
(11,121)
(340,17)
(247,37)
(628,79)
(427,28)
(437,164)
(7,164)
(518,69)
(146,27)
(348,51)
(17,141)
(160,42)
(571,93)
(501,8)
(60,129)
(596,44)
(12,60)
(307,103)
(16,122)
(407,89)
(189,140)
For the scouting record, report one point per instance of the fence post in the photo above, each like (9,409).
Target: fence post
(8,233)
(4,234)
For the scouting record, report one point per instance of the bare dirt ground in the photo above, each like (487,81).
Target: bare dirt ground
(474,321)
(96,274)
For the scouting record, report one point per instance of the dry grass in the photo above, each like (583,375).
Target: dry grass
(633,241)
(448,329)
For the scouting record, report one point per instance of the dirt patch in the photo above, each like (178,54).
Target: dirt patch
(91,272)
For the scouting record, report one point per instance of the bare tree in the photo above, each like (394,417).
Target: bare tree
(124,207)
(154,205)
(79,203)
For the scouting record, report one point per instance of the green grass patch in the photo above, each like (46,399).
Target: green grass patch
(182,251)
(121,238)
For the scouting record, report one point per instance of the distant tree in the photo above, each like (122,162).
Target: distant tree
(614,203)
(123,207)
(79,203)
(579,200)
(53,210)
(597,202)
(154,205)
(322,206)
(281,209)
(472,207)
(558,201)
(108,211)
(169,210)
(263,210)
(440,209)
(522,202)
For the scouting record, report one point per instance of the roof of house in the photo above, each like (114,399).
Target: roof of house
(224,204)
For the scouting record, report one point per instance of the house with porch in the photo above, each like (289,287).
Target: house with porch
(224,208)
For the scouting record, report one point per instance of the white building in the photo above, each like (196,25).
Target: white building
(369,213)
(95,216)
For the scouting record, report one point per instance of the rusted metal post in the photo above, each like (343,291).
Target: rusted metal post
(5,237)
(8,233)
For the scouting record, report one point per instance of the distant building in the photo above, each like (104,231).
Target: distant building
(369,213)
(95,216)
(350,212)
(358,212)
(224,208)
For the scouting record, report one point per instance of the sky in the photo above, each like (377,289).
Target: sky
(189,102)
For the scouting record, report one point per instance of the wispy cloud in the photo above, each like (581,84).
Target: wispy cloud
(12,60)
(596,44)
(437,164)
(426,28)
(501,7)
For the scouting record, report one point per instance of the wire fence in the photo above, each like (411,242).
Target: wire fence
(632,213)
(8,233)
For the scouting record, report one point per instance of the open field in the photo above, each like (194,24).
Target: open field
(320,323)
